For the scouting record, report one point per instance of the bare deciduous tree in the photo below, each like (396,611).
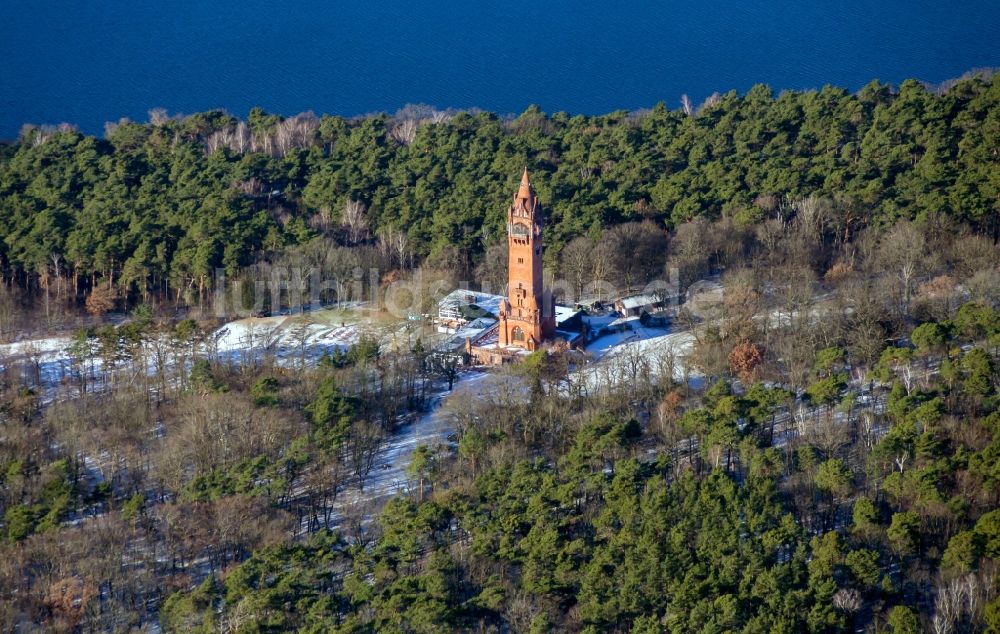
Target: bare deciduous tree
(404,132)
(577,264)
(491,272)
(637,252)
(710,102)
(354,220)
(686,105)
(363,442)
(903,252)
(393,244)
(983,286)
(158,117)
(691,251)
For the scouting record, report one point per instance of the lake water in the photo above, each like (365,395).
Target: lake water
(91,61)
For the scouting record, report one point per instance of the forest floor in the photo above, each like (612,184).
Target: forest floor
(433,428)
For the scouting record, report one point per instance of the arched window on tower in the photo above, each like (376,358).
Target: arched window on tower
(517,334)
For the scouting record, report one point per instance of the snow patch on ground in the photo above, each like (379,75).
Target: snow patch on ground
(287,338)
(290,339)
(434,429)
(623,358)
(606,343)
(35,347)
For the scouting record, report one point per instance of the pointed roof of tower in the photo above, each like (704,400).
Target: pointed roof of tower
(525,190)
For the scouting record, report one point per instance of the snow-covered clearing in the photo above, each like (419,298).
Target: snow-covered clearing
(288,338)
(624,357)
(291,339)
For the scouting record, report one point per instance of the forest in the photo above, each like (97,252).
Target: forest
(825,459)
(151,212)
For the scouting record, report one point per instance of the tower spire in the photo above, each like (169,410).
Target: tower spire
(525,190)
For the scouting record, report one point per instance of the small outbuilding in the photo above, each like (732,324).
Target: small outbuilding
(636,305)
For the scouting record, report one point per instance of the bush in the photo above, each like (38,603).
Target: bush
(265,392)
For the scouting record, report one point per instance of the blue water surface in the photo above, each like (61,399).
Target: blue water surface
(91,61)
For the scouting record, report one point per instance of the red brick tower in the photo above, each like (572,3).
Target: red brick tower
(527,316)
